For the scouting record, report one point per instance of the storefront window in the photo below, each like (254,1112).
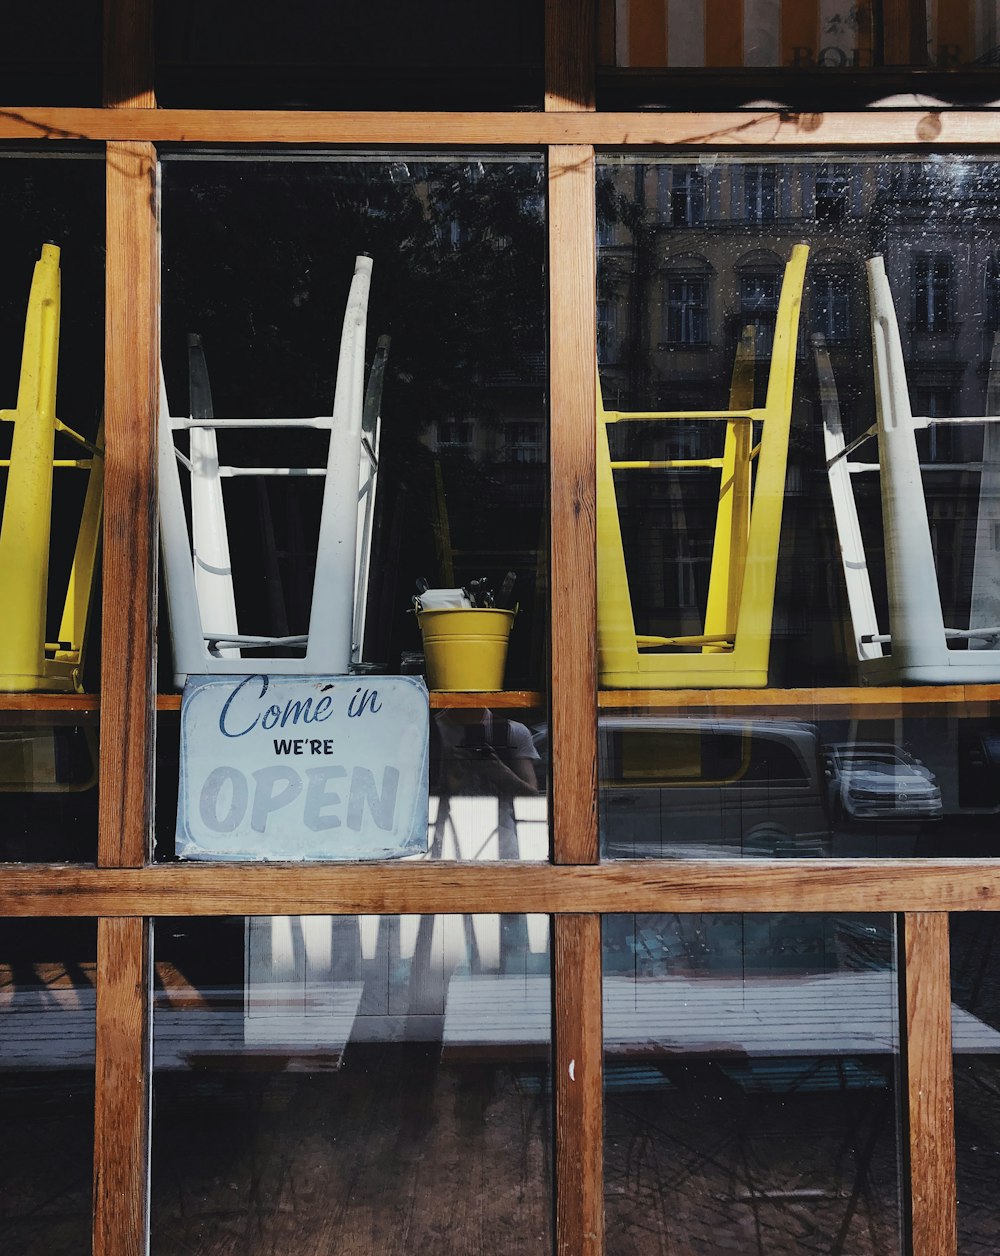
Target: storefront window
(751,1084)
(371,1083)
(679,568)
(47,1018)
(456,318)
(51,312)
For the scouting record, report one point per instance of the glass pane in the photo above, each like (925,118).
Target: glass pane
(745,542)
(374,1083)
(751,1084)
(52,227)
(47,1025)
(51,54)
(384,55)
(812,54)
(976,1044)
(456,324)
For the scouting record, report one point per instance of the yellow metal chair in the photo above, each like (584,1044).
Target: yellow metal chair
(28,663)
(734,647)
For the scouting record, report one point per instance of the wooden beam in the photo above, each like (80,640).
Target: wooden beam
(570,54)
(578,1058)
(121,1109)
(751,885)
(572,501)
(930,1088)
(917,128)
(128,54)
(882,702)
(129,560)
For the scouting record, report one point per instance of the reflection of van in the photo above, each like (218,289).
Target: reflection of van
(710,788)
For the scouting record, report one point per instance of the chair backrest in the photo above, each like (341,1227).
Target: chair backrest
(917,635)
(735,637)
(207,638)
(27,662)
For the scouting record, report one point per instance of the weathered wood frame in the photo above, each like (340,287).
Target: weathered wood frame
(124,890)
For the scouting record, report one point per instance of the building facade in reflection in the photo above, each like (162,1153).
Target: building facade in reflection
(693,252)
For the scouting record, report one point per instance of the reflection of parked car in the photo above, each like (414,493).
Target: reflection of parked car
(691,787)
(877,781)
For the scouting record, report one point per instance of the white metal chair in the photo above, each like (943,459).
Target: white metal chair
(917,636)
(207,638)
(291,999)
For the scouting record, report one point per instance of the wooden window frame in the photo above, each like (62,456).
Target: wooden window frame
(124,890)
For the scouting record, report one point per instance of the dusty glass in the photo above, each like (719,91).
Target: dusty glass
(751,1084)
(356,1083)
(47,1025)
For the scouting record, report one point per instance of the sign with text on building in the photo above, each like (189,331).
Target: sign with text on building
(303,767)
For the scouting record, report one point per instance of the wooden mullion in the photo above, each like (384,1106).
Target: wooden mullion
(735,130)
(401,887)
(121,1120)
(572,501)
(570,54)
(929,1084)
(128,54)
(129,561)
(578,1085)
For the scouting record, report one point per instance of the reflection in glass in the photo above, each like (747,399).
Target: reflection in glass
(751,1089)
(713,785)
(676,294)
(52,228)
(975,949)
(47,1025)
(457,250)
(809,34)
(357,1083)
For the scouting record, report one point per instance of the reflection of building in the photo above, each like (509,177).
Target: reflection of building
(692,252)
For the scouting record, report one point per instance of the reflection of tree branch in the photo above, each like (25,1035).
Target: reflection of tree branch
(40,128)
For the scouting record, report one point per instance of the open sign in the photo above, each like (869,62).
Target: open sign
(303,767)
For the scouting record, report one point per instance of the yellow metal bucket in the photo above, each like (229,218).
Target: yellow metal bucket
(465,649)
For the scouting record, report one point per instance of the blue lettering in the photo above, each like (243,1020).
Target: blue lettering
(271,717)
(382,806)
(322,711)
(229,701)
(319,801)
(368,701)
(267,797)
(295,710)
(211,791)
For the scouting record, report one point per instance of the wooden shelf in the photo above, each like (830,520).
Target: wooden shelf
(748,701)
(62,702)
(792,701)
(770,701)
(518,699)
